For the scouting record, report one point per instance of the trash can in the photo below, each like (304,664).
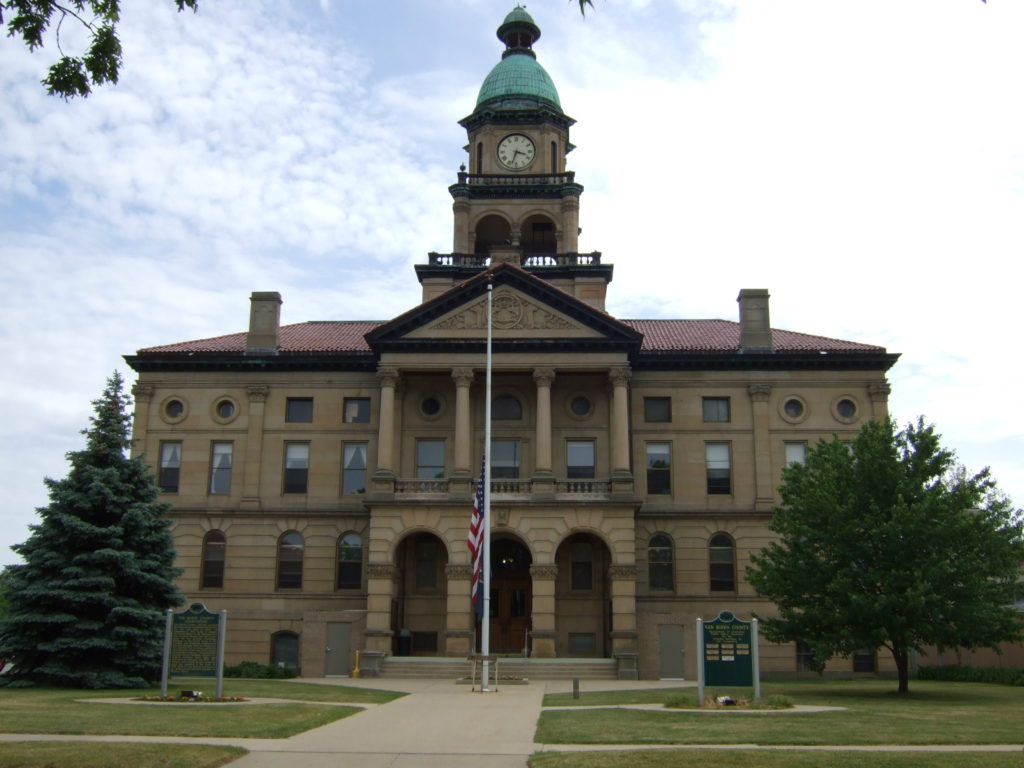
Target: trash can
(404,643)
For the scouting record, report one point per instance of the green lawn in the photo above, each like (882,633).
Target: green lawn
(77,754)
(56,710)
(934,713)
(771,759)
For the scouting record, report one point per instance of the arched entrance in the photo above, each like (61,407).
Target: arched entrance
(583,607)
(511,596)
(491,230)
(419,609)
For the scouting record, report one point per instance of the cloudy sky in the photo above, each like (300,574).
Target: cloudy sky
(861,159)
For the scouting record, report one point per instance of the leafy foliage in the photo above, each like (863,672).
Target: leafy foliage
(887,543)
(86,607)
(253,669)
(73,75)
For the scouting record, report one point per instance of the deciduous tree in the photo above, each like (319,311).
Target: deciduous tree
(887,542)
(73,75)
(86,607)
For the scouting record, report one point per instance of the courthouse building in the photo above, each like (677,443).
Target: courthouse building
(322,474)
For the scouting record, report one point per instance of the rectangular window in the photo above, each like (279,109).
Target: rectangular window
(716,409)
(504,459)
(719,468)
(659,469)
(657,409)
(582,565)
(299,410)
(804,657)
(796,453)
(296,467)
(580,459)
(220,468)
(353,473)
(170,466)
(864,660)
(429,459)
(356,410)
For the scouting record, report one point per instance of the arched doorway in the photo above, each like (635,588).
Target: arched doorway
(419,609)
(583,607)
(511,596)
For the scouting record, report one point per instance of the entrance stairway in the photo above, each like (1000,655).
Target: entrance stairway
(440,667)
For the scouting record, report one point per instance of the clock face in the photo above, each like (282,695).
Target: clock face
(516,151)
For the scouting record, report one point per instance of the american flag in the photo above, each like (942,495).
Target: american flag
(475,542)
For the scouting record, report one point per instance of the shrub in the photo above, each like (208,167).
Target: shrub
(958,674)
(257,670)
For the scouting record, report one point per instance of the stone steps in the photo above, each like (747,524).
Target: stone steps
(440,667)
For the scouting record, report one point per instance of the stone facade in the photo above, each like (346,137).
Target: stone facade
(322,474)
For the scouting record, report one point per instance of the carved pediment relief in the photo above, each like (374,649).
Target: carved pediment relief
(514,316)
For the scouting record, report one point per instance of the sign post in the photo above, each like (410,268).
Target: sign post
(194,645)
(728,649)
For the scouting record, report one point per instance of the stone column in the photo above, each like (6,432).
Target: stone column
(570,224)
(380,591)
(463,378)
(459,621)
(879,394)
(622,476)
(543,619)
(257,396)
(764,482)
(143,394)
(384,476)
(543,377)
(624,633)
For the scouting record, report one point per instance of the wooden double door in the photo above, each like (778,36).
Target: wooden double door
(511,596)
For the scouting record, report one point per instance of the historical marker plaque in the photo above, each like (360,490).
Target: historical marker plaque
(194,643)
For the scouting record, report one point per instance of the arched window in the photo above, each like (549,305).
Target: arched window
(660,571)
(214,547)
(284,650)
(289,561)
(722,559)
(350,561)
(506,408)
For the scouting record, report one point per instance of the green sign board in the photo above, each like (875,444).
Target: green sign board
(194,643)
(727,651)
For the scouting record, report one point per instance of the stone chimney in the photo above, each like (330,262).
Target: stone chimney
(264,323)
(755,326)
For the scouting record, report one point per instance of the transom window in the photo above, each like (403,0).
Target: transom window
(290,548)
(716,409)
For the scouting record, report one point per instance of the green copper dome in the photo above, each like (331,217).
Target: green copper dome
(518,76)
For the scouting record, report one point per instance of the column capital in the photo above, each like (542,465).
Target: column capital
(622,572)
(879,391)
(381,571)
(143,392)
(759,392)
(544,572)
(544,376)
(463,377)
(257,393)
(387,375)
(619,377)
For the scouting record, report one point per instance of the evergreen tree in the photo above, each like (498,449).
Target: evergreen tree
(888,543)
(86,607)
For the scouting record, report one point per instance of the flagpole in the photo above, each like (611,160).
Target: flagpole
(485,617)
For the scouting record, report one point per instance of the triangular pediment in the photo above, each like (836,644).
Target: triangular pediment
(526,310)
(515,315)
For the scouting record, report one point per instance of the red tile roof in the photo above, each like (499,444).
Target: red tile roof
(660,336)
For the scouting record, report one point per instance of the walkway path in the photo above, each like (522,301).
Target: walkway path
(439,724)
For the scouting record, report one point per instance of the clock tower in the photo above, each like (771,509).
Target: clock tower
(517,202)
